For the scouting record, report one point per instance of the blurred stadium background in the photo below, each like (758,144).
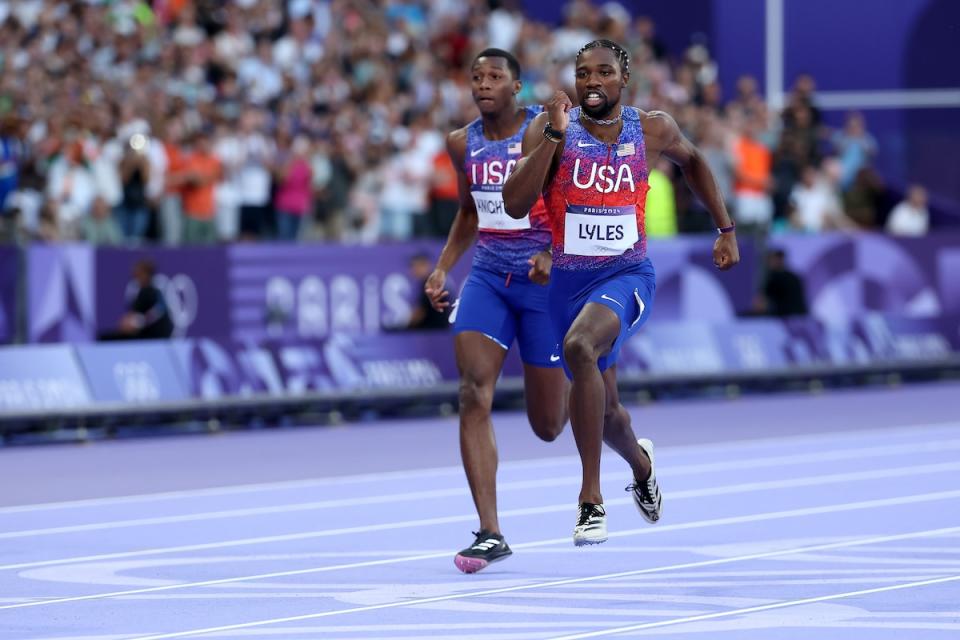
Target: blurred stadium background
(292,266)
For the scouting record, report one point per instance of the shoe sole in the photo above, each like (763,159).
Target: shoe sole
(586,542)
(467,564)
(646,445)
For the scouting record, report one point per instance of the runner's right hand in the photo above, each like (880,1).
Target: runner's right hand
(435,291)
(557,108)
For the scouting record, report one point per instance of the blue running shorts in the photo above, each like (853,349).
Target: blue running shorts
(504,309)
(627,291)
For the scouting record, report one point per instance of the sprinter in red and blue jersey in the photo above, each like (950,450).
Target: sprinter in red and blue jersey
(591,165)
(504,298)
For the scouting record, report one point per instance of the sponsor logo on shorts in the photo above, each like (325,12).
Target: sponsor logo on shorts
(616,302)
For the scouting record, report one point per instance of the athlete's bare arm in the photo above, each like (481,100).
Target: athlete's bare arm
(663,137)
(540,157)
(463,231)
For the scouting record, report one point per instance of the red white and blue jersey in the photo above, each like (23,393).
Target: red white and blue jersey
(596,199)
(503,244)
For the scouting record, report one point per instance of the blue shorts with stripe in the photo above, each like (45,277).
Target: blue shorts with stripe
(627,291)
(504,309)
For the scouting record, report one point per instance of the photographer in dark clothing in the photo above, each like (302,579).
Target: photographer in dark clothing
(147,315)
(783,291)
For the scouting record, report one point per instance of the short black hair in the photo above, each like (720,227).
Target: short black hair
(147,266)
(622,56)
(493,52)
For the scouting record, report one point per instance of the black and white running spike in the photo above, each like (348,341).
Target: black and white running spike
(646,493)
(486,549)
(591,524)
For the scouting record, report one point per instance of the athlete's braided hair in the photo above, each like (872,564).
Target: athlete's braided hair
(622,56)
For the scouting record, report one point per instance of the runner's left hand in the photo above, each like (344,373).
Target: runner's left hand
(434,288)
(540,264)
(725,251)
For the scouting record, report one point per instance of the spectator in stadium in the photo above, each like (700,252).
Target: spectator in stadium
(294,188)
(364,80)
(332,175)
(862,201)
(100,228)
(71,190)
(48,227)
(444,198)
(647,31)
(11,153)
(802,98)
(855,147)
(196,177)
(171,197)
(910,217)
(747,95)
(133,212)
(249,172)
(716,148)
(754,207)
(147,315)
(404,196)
(789,162)
(814,205)
(802,131)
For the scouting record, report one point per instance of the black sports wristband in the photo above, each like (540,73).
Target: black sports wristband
(551,134)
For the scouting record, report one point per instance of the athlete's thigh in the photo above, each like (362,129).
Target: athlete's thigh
(630,298)
(598,324)
(483,309)
(479,359)
(571,315)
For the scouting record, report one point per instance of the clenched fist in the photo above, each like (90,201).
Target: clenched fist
(557,108)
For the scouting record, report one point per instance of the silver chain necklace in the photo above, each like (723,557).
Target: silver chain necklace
(603,122)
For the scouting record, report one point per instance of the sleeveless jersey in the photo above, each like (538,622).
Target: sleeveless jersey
(596,200)
(503,244)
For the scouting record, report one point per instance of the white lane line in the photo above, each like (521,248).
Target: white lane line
(700,524)
(884,433)
(692,469)
(809,481)
(553,583)
(747,610)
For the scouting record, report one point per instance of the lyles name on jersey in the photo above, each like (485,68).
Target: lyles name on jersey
(603,232)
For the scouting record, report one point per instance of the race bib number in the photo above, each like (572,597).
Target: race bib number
(493,216)
(600,231)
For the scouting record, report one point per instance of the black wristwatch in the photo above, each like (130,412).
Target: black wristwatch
(551,134)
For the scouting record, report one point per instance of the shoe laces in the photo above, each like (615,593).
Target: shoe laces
(588,511)
(644,488)
(482,536)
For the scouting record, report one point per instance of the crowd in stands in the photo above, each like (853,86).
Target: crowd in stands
(179,121)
